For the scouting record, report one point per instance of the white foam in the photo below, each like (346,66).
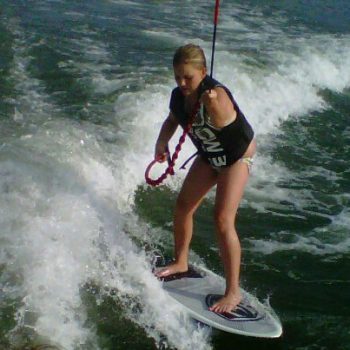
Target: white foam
(329,240)
(293,88)
(65,187)
(47,225)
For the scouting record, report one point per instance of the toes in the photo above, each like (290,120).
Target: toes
(223,307)
(163,273)
(217,308)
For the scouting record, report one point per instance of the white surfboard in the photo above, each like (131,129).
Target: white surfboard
(197,289)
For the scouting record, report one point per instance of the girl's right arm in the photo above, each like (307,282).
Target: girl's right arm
(166,132)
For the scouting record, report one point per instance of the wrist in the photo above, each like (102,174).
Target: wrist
(161,142)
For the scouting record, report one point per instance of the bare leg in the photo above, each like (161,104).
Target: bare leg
(199,180)
(230,188)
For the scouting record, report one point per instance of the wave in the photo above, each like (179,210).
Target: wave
(67,197)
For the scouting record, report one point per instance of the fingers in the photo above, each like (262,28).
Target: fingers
(161,157)
(161,152)
(208,96)
(212,94)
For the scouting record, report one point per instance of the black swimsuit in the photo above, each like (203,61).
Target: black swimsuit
(220,147)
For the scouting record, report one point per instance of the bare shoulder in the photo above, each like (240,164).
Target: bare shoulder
(223,97)
(226,113)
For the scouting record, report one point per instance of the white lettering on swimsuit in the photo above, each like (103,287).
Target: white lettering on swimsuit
(210,144)
(218,161)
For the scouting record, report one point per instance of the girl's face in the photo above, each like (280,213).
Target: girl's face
(188,77)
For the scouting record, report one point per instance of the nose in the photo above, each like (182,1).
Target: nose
(182,82)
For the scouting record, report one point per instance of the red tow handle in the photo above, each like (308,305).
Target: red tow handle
(171,160)
(169,171)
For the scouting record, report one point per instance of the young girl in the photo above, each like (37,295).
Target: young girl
(225,144)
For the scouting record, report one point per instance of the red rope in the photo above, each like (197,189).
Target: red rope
(216,12)
(171,161)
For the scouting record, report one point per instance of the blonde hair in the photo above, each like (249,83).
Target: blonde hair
(190,53)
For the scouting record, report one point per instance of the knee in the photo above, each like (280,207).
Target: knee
(184,206)
(224,222)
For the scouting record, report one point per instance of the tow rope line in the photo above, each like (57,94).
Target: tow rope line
(172,159)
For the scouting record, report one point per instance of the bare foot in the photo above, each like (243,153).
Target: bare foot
(170,270)
(227,303)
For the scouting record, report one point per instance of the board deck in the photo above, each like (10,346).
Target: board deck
(199,287)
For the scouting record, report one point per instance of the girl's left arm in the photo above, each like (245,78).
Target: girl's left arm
(219,107)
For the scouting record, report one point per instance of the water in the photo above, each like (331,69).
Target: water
(84,88)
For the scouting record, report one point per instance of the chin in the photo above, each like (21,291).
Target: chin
(186,92)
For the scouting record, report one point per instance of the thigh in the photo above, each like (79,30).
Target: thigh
(230,188)
(200,179)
